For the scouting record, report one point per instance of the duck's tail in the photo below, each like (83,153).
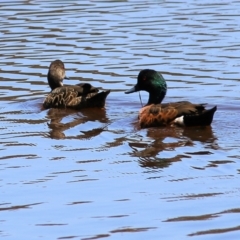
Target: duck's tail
(97,100)
(202,119)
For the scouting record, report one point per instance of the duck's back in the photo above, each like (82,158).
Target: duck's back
(185,107)
(77,97)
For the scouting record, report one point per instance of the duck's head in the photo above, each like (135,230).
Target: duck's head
(56,74)
(153,82)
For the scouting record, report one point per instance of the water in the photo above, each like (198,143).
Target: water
(95,174)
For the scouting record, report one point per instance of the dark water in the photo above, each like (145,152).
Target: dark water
(93,174)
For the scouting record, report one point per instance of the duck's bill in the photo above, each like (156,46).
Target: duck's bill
(134,89)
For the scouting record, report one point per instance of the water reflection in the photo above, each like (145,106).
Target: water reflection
(136,183)
(201,134)
(63,119)
(165,141)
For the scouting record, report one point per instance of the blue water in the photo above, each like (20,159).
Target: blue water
(94,174)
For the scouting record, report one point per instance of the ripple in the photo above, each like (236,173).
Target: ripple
(96,168)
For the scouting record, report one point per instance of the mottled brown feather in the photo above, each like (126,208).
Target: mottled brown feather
(69,97)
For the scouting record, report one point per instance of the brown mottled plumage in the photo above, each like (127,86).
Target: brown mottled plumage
(179,113)
(77,96)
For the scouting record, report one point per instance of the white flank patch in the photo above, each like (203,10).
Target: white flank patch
(179,121)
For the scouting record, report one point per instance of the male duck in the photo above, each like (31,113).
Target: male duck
(179,113)
(76,96)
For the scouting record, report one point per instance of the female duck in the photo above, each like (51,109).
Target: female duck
(179,113)
(76,96)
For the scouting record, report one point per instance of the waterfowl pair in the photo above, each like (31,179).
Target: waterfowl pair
(77,96)
(157,114)
(153,114)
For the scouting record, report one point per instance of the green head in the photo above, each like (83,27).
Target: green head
(153,82)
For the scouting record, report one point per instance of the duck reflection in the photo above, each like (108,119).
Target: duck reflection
(165,141)
(62,120)
(201,134)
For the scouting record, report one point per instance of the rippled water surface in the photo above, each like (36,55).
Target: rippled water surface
(94,174)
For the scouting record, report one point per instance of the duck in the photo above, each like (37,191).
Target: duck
(79,96)
(155,113)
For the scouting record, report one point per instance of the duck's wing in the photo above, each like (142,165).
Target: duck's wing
(60,97)
(77,96)
(179,113)
(185,107)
